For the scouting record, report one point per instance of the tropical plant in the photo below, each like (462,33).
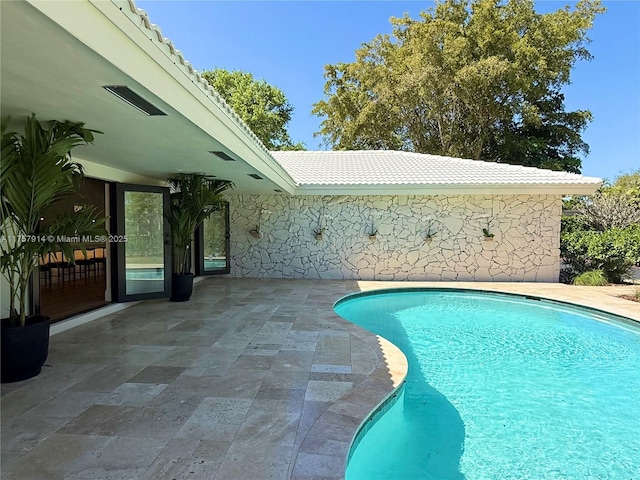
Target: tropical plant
(431,231)
(592,278)
(323,219)
(194,197)
(257,231)
(486,233)
(36,173)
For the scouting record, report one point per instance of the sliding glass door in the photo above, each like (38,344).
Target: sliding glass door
(141,242)
(212,244)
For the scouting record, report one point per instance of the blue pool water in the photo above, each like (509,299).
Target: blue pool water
(501,387)
(145,274)
(157,273)
(215,264)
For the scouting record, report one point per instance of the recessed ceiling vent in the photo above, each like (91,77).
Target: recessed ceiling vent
(223,156)
(127,95)
(255,175)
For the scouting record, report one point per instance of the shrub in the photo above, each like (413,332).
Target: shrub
(613,251)
(592,278)
(572,223)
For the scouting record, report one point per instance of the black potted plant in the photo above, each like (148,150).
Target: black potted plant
(36,173)
(194,197)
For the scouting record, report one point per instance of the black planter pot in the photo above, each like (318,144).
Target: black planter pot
(24,349)
(181,287)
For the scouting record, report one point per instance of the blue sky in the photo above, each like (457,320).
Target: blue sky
(288,43)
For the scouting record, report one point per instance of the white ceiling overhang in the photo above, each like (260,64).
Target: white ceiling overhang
(57,56)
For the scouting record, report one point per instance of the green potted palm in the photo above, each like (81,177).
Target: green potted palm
(36,173)
(194,197)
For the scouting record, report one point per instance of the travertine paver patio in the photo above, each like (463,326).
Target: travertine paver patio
(251,379)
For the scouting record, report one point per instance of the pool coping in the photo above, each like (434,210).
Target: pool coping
(584,308)
(394,395)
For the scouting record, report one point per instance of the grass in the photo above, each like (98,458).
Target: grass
(634,297)
(592,278)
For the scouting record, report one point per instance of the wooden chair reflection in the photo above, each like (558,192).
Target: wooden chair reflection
(86,263)
(100,258)
(64,268)
(45,269)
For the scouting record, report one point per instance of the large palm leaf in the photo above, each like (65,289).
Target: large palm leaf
(194,197)
(37,172)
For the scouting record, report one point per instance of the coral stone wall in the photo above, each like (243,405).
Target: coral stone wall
(525,246)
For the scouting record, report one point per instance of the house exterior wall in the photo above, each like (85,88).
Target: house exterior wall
(526,245)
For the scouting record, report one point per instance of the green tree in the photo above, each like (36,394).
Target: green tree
(628,184)
(606,233)
(477,79)
(144,226)
(263,107)
(214,234)
(614,205)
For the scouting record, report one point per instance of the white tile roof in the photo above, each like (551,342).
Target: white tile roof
(383,168)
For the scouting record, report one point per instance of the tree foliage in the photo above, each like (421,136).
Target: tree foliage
(263,107)
(609,209)
(614,251)
(144,226)
(478,79)
(615,205)
(606,232)
(628,184)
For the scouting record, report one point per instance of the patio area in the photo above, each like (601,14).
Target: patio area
(251,379)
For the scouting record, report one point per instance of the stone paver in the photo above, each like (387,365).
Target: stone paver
(251,379)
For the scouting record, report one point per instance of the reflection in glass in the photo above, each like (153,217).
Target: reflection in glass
(214,231)
(144,248)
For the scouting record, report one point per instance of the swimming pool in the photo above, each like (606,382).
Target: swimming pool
(148,273)
(157,273)
(500,387)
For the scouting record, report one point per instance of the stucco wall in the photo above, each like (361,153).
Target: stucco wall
(526,246)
